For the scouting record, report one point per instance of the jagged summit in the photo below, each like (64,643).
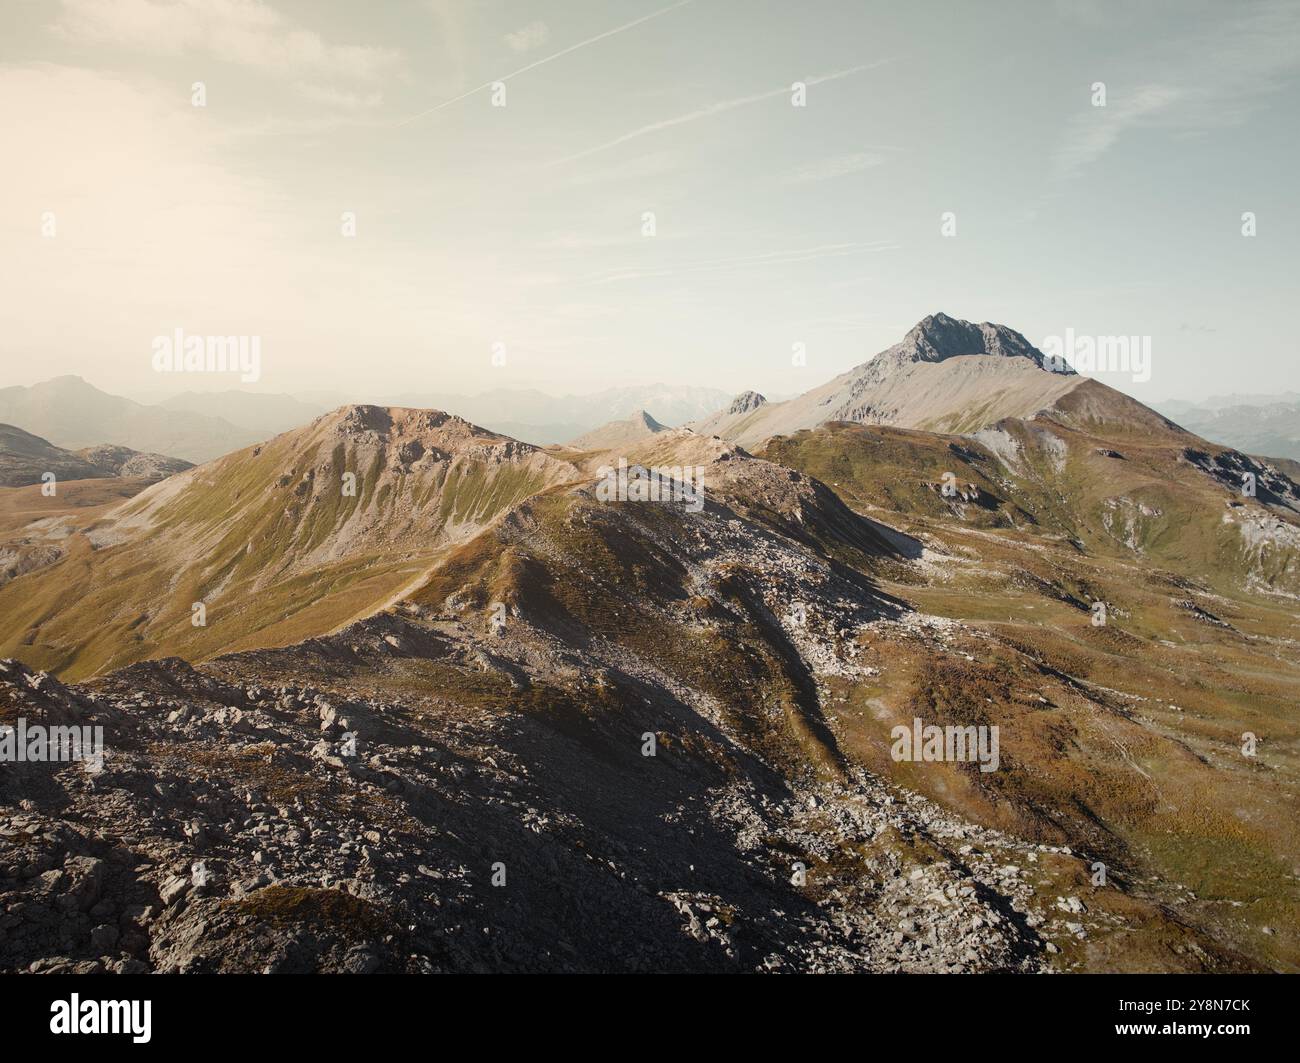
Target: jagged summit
(644,417)
(938,337)
(746,401)
(407,436)
(389,422)
(944,375)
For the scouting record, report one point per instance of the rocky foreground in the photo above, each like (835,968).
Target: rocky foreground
(286,828)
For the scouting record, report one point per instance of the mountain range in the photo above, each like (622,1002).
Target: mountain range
(392,678)
(73,414)
(1259,424)
(535,417)
(200,425)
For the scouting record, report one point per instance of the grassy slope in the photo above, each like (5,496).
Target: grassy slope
(1148,503)
(1124,738)
(266,539)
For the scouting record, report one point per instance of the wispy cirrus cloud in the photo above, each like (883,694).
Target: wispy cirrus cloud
(546,59)
(534,35)
(836,166)
(1093,134)
(716,108)
(1213,77)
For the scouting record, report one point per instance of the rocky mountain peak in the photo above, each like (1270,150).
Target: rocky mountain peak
(746,401)
(123,461)
(938,337)
(645,418)
(432,430)
(639,425)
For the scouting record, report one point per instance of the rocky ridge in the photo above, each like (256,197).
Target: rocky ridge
(231,828)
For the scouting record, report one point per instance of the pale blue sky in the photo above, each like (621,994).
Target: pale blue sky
(522,224)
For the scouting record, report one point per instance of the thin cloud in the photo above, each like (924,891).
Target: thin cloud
(721,107)
(534,35)
(1209,79)
(1095,133)
(839,166)
(543,61)
(339,99)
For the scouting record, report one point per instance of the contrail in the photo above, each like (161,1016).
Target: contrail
(714,108)
(541,62)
